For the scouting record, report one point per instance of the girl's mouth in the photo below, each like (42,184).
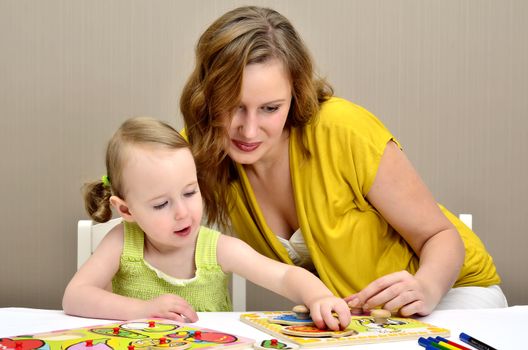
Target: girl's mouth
(183,232)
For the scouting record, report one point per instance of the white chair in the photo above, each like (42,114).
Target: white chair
(467,219)
(90,234)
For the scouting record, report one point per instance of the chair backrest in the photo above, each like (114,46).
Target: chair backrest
(90,234)
(467,219)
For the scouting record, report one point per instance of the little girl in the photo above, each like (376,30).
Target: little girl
(160,262)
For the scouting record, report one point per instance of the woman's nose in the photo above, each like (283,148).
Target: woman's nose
(249,125)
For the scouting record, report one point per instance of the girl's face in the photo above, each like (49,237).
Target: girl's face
(257,127)
(162,195)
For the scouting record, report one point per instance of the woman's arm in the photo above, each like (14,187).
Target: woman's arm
(405,202)
(292,282)
(89,293)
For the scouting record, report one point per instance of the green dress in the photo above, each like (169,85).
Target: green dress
(207,291)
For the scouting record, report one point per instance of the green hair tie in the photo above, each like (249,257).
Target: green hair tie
(105,180)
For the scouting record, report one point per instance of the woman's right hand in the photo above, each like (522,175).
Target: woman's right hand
(171,307)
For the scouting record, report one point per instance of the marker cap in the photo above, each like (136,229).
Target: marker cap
(464,337)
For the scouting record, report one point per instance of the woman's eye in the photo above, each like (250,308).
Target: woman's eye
(270,109)
(161,206)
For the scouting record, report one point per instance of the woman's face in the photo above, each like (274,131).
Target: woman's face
(256,132)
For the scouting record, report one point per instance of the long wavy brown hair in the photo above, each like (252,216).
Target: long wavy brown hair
(240,37)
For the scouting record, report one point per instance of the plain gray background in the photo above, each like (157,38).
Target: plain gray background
(448,77)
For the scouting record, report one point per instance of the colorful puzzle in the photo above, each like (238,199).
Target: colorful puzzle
(364,330)
(142,334)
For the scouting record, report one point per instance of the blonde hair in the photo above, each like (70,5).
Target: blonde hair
(240,37)
(134,131)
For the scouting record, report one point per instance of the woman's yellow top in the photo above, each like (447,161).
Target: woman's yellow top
(350,243)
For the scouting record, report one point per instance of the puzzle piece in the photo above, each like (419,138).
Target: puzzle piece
(274,344)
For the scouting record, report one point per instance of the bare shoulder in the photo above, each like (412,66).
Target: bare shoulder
(112,241)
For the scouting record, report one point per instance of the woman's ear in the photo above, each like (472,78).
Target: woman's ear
(122,208)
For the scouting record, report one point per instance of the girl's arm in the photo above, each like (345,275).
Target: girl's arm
(292,282)
(404,201)
(89,293)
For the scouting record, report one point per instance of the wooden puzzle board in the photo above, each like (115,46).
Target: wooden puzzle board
(142,334)
(397,329)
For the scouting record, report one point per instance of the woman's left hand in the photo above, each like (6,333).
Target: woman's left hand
(398,292)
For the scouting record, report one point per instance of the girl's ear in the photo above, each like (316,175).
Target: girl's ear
(122,208)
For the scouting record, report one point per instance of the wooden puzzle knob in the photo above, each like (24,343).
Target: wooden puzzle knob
(380,315)
(301,311)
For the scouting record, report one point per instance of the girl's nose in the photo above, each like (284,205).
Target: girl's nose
(180,210)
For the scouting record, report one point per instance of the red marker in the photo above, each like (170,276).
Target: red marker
(89,343)
(163,340)
(198,335)
(116,330)
(152,324)
(452,343)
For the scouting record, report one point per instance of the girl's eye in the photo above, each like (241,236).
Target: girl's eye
(190,193)
(161,206)
(270,109)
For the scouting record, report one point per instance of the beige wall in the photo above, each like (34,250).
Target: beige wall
(449,78)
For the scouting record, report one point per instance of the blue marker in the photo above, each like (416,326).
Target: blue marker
(475,342)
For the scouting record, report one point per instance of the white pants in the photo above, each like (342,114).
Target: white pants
(473,298)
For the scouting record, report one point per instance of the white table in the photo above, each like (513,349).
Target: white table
(501,328)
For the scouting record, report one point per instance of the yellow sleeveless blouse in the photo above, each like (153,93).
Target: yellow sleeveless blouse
(349,241)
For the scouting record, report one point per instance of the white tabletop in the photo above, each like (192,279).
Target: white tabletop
(501,328)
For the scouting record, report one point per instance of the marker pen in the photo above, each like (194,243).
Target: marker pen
(452,343)
(475,342)
(426,343)
(442,343)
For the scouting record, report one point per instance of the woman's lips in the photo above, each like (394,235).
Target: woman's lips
(246,146)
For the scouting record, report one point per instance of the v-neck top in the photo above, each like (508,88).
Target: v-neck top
(349,241)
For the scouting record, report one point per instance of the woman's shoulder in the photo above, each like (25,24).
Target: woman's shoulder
(340,115)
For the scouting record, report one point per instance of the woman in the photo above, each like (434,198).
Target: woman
(319,182)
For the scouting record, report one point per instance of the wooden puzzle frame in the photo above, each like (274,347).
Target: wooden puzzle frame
(141,334)
(367,331)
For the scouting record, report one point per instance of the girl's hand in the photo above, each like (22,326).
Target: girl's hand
(322,312)
(398,291)
(171,307)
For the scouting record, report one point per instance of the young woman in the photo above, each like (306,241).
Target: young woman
(316,181)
